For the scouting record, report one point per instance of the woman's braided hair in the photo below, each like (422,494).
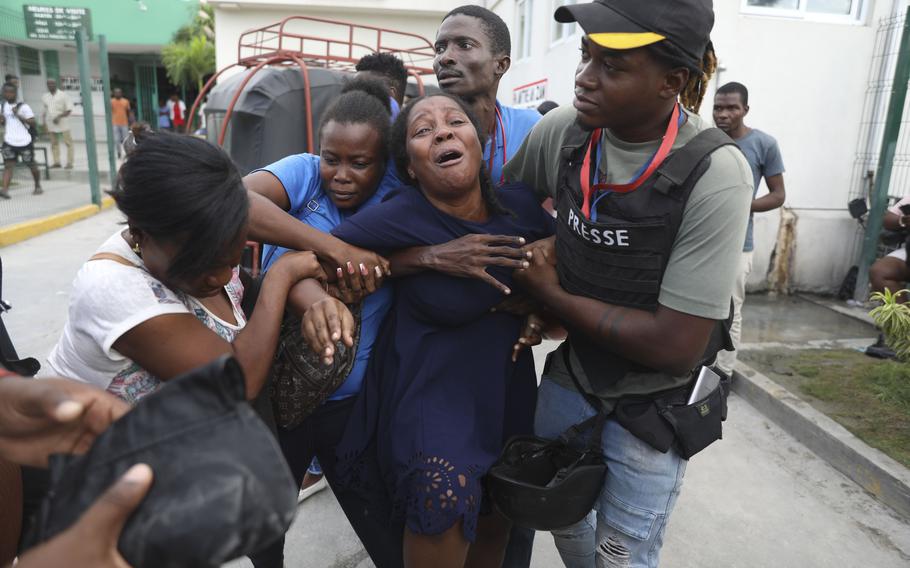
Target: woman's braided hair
(693,93)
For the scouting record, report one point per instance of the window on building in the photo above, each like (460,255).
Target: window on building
(29,61)
(829,10)
(524,10)
(562,31)
(52,64)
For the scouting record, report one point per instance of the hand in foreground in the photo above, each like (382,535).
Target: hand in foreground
(39,417)
(354,283)
(324,324)
(356,264)
(297,266)
(470,256)
(517,305)
(531,335)
(541,274)
(92,541)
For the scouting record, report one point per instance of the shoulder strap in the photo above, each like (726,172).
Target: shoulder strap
(575,137)
(675,171)
(597,421)
(114,257)
(300,214)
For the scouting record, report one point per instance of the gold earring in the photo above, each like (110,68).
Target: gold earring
(137,250)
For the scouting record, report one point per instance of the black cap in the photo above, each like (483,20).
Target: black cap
(628,24)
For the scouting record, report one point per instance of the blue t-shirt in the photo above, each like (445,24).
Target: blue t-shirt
(394,108)
(763,155)
(517,123)
(299,174)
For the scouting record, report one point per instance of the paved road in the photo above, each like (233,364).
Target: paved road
(757,499)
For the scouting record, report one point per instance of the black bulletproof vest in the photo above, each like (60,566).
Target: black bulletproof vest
(621,258)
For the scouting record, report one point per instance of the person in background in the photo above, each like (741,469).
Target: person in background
(120,118)
(14,79)
(891,272)
(164,115)
(57,108)
(389,69)
(177,113)
(731,105)
(546,106)
(473,53)
(18,118)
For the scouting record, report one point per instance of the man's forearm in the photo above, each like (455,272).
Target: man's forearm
(767,202)
(641,336)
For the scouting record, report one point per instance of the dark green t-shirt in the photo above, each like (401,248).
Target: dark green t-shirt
(702,267)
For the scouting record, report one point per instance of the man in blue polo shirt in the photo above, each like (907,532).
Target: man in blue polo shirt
(473,49)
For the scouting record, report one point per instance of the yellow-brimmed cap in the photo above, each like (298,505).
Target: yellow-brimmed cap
(625,40)
(630,24)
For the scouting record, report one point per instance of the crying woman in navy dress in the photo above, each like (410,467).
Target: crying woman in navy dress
(442,394)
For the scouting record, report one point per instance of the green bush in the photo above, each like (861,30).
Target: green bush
(893,318)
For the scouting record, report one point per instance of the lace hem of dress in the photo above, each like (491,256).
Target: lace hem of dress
(435,495)
(431,494)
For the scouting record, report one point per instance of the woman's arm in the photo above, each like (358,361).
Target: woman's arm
(169,345)
(271,223)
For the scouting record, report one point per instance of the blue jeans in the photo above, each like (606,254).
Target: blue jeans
(120,134)
(626,528)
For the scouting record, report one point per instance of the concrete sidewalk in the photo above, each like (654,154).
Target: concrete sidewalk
(64,191)
(756,499)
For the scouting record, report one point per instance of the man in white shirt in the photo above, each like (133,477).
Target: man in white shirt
(57,108)
(18,118)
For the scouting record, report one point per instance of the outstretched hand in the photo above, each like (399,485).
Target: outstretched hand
(39,417)
(541,272)
(470,256)
(324,324)
(531,335)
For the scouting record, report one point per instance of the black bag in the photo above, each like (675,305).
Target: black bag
(221,488)
(300,381)
(665,420)
(550,484)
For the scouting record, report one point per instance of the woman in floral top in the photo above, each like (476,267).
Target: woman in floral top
(163,295)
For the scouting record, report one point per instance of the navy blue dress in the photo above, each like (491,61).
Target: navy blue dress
(441,395)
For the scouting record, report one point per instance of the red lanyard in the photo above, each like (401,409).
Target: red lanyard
(502,129)
(662,153)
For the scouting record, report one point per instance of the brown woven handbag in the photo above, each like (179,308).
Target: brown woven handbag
(300,380)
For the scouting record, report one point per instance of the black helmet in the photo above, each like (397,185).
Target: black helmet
(549,484)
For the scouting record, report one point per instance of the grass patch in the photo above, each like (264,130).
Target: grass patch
(869,397)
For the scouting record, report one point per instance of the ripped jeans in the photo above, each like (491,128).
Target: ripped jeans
(626,528)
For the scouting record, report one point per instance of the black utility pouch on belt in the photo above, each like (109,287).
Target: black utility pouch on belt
(665,421)
(698,425)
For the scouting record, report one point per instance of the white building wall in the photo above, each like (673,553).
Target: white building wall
(807,82)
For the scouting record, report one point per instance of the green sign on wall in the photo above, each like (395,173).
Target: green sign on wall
(55,22)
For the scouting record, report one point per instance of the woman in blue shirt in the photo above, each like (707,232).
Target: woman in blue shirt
(318,193)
